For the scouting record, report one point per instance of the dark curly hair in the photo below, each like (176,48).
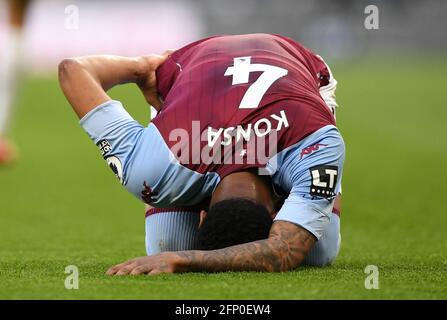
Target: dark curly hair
(234,221)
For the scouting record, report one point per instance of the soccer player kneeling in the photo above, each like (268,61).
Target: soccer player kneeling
(215,202)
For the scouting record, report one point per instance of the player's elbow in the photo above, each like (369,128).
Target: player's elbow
(67,68)
(285,262)
(291,261)
(285,257)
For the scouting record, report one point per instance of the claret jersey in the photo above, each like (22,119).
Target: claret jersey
(231,103)
(229,90)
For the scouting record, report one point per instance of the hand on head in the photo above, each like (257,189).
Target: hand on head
(148,82)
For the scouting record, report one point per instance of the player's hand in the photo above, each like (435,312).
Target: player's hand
(165,262)
(148,81)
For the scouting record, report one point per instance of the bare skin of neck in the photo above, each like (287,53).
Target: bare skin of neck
(244,185)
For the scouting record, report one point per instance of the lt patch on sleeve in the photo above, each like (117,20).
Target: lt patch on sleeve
(324,180)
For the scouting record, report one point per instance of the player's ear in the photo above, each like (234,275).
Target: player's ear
(203,214)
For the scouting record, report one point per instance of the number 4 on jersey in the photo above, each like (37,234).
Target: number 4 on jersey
(241,71)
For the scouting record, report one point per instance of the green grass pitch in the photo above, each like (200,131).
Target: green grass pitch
(61,206)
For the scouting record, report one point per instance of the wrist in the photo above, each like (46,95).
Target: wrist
(181,261)
(142,69)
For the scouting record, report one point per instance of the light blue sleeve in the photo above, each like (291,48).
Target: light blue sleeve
(316,178)
(312,215)
(142,161)
(115,133)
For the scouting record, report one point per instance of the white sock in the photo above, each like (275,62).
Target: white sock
(173,230)
(10,61)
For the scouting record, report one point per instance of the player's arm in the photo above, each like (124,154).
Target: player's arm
(283,250)
(85,80)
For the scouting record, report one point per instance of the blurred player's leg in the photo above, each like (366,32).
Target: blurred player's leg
(9,70)
(171,230)
(8,152)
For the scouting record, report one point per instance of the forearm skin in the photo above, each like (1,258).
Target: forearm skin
(284,250)
(85,80)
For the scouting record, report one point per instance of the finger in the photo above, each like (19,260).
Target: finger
(155,272)
(114,269)
(141,270)
(111,272)
(126,270)
(167,52)
(134,263)
(153,99)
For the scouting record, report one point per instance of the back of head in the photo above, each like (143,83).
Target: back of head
(234,221)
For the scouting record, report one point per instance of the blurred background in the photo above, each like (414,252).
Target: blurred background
(335,29)
(60,204)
